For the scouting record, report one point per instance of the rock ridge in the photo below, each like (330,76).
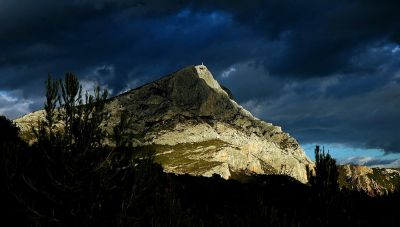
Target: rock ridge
(196,128)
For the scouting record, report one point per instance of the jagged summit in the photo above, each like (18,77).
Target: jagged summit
(206,75)
(195,127)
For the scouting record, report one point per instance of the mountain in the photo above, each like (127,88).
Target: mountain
(195,127)
(373,181)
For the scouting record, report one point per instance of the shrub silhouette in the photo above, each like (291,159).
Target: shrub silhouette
(70,177)
(324,177)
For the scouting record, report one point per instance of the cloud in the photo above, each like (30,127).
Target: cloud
(98,76)
(366,120)
(358,110)
(137,49)
(12,105)
(372,162)
(226,73)
(320,37)
(325,71)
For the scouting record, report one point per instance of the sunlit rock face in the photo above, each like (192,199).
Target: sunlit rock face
(373,181)
(196,128)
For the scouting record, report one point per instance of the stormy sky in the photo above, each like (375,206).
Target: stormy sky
(328,72)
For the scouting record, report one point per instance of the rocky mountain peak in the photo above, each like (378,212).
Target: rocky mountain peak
(196,128)
(206,75)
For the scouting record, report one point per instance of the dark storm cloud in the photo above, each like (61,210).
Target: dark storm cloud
(321,36)
(325,71)
(148,46)
(359,110)
(310,29)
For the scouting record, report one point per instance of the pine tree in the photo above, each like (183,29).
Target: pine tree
(325,175)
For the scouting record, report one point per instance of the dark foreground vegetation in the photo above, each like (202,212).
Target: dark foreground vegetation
(70,177)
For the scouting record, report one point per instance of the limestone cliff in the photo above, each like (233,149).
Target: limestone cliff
(195,127)
(373,181)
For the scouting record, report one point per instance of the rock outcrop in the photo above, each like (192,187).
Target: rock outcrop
(373,181)
(195,127)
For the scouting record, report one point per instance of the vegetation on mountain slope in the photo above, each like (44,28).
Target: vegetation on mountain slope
(71,178)
(190,107)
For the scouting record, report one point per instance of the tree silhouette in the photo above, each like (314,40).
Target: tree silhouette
(324,177)
(71,177)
